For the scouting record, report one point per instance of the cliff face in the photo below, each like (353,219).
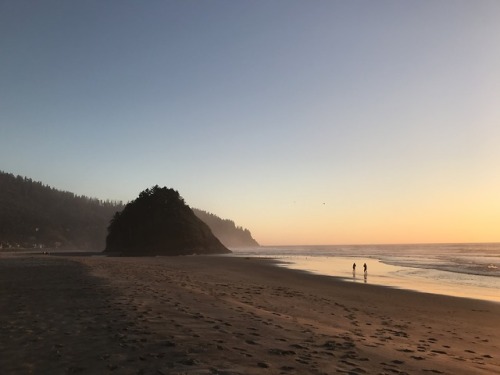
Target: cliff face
(158,222)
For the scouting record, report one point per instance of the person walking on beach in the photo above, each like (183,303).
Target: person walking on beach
(365,268)
(354,268)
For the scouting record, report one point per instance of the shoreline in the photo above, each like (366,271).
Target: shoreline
(462,270)
(395,277)
(229,315)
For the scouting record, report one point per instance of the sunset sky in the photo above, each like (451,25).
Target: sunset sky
(307,122)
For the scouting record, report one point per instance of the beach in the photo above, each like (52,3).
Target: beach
(228,315)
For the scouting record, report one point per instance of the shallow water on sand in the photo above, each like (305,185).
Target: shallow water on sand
(462,270)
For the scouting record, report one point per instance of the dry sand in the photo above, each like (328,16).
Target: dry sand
(223,315)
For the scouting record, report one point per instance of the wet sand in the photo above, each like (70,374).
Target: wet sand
(226,315)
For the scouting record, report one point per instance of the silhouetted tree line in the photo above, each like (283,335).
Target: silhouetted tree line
(226,230)
(35,215)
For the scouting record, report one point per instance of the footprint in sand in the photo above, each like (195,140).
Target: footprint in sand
(406,350)
(439,351)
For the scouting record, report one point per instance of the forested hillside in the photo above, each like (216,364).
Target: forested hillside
(226,230)
(36,215)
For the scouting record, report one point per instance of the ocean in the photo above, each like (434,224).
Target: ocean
(461,270)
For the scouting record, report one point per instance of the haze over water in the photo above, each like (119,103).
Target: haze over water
(462,270)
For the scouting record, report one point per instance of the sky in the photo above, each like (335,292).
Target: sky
(307,122)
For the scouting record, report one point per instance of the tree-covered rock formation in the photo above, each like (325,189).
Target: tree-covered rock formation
(159,222)
(226,230)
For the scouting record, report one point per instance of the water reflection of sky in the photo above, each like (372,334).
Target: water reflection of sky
(419,279)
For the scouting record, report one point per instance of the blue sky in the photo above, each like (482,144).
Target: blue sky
(309,122)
